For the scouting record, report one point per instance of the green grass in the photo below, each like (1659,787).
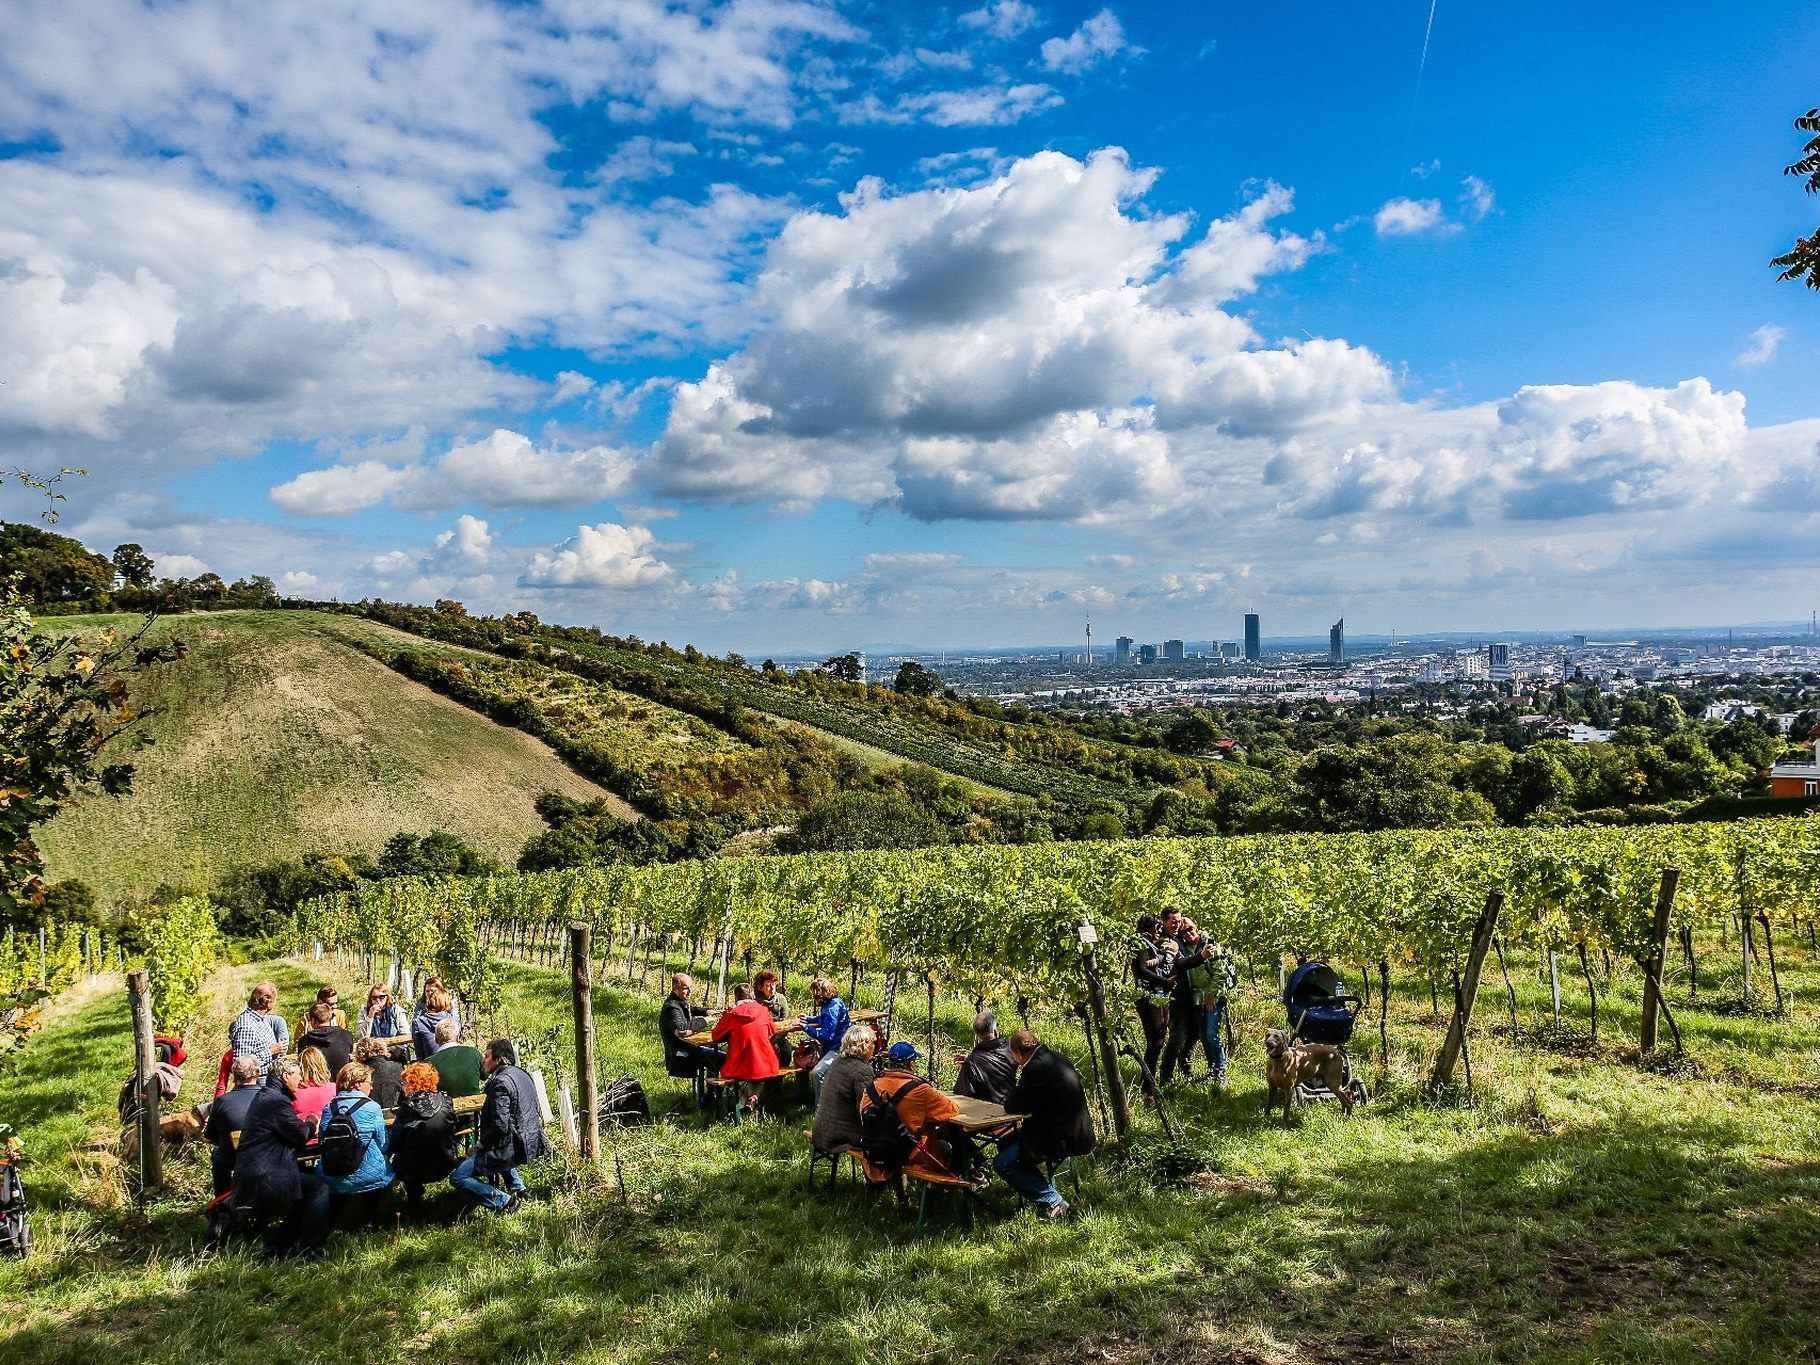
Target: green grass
(1582,1209)
(275,736)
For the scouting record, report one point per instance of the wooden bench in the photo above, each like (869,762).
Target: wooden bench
(719,1086)
(856,1164)
(941,1182)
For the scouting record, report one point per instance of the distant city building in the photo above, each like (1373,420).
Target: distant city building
(1579,642)
(1336,642)
(1497,659)
(1254,640)
(1146,654)
(1121,649)
(1174,651)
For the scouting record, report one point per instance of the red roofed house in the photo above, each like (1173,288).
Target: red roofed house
(1798,779)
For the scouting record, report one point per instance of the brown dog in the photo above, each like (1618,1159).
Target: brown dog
(176,1132)
(1287,1065)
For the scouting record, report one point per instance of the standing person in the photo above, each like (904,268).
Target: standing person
(1049,1090)
(380,1017)
(1205,978)
(675,1021)
(458,1066)
(1153,974)
(510,1133)
(837,1111)
(425,1147)
(365,1185)
(329,996)
(748,1031)
(251,1033)
(437,1004)
(765,991)
(315,1087)
(826,1027)
(292,1213)
(388,1075)
(989,1071)
(319,1029)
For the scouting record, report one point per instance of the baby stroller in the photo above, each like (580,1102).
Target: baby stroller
(1321,1011)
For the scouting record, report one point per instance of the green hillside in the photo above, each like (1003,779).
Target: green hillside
(276,735)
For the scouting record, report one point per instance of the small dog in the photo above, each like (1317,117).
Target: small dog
(174,1132)
(1286,1066)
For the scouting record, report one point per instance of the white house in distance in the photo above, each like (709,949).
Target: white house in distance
(1797,779)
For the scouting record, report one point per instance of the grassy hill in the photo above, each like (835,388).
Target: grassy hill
(276,735)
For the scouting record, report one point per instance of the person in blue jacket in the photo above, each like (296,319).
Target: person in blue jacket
(826,1027)
(367,1186)
(437,1004)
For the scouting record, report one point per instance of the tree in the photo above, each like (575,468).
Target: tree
(856,820)
(1192,732)
(133,565)
(437,854)
(51,568)
(913,680)
(843,668)
(1803,263)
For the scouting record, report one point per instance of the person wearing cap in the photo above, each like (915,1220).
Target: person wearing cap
(923,1110)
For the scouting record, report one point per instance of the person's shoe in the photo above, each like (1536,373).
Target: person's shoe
(512,1205)
(1053,1213)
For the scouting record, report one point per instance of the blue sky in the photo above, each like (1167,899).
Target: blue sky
(784,324)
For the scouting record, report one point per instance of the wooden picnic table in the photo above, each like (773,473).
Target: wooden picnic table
(980,1116)
(704,1037)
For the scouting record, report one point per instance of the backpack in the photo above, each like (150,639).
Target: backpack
(15,1232)
(623,1105)
(884,1140)
(343,1145)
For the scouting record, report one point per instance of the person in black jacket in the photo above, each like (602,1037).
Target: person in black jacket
(1153,974)
(334,1042)
(424,1145)
(292,1212)
(1058,1126)
(989,1071)
(675,1022)
(510,1133)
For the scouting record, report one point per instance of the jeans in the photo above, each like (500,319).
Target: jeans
(463,1178)
(1025,1177)
(820,1073)
(1213,1041)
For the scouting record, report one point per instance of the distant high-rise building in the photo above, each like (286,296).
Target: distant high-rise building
(1146,654)
(1254,641)
(1336,642)
(1497,659)
(1174,651)
(1579,642)
(1121,649)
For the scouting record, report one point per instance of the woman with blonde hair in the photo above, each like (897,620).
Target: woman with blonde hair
(437,1004)
(423,1134)
(315,1087)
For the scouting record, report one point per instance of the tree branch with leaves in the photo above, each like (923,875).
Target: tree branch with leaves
(1803,263)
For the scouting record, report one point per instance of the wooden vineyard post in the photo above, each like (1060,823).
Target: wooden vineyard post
(587,1083)
(151,1147)
(1658,954)
(1469,990)
(1096,1008)
(1554,987)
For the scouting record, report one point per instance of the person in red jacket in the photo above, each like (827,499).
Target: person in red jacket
(747,1029)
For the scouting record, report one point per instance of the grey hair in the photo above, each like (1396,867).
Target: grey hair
(858,1041)
(447,1031)
(985,1025)
(288,1066)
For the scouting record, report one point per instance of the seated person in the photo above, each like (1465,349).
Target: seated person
(290,1211)
(766,992)
(457,1066)
(1059,1126)
(227,1116)
(509,1135)
(826,1027)
(381,1017)
(989,1071)
(365,1188)
(747,1029)
(438,1003)
(373,1054)
(314,1088)
(921,1108)
(424,1143)
(837,1111)
(319,1030)
(675,1022)
(329,996)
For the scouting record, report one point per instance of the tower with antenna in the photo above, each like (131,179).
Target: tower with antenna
(1087,658)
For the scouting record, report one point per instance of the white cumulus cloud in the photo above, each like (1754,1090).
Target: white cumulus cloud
(1100,37)
(606,555)
(1405,217)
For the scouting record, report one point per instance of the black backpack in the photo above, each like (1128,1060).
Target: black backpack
(343,1145)
(623,1105)
(883,1139)
(15,1232)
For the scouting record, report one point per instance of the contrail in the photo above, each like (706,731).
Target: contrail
(1427,33)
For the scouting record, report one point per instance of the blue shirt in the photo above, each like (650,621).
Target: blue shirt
(828,1025)
(374,1171)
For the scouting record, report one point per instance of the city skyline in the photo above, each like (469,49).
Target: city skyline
(768,327)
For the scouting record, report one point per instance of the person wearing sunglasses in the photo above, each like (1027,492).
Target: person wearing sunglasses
(381,1017)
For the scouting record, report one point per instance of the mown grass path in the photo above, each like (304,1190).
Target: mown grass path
(1583,1210)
